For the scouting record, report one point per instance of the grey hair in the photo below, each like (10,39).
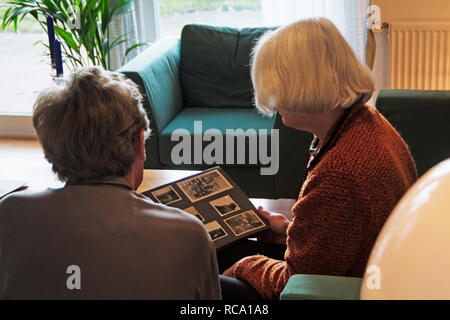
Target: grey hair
(90,126)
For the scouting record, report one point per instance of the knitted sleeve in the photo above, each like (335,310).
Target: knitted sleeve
(324,237)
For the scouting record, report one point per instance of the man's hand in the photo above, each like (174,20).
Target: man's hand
(278,226)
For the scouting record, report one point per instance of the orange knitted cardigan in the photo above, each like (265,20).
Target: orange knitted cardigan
(364,169)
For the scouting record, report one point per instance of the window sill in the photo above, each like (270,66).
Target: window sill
(16,125)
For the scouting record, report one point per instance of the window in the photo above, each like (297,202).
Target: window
(26,70)
(174,14)
(349,16)
(24,66)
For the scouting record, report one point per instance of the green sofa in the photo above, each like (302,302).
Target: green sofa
(423,120)
(205,76)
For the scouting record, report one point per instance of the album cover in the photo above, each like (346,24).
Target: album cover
(215,199)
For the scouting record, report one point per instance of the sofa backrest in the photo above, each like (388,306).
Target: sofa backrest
(215,66)
(423,120)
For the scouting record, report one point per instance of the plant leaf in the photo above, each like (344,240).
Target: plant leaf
(67,37)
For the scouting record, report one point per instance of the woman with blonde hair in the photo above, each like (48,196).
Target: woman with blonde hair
(359,167)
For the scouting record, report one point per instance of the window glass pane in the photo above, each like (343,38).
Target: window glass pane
(25,69)
(234,13)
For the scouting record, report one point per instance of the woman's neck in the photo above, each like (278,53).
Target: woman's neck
(325,122)
(318,124)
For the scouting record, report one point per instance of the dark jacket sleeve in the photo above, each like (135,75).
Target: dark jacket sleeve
(209,284)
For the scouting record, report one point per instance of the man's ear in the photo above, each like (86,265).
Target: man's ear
(140,147)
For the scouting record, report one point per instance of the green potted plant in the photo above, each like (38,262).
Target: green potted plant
(82,26)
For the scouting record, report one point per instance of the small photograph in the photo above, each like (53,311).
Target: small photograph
(224,205)
(194,212)
(166,195)
(244,222)
(205,185)
(215,231)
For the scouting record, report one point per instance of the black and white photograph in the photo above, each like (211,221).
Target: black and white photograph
(195,213)
(166,195)
(224,205)
(244,222)
(215,231)
(205,185)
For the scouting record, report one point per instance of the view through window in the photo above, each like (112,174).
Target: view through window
(174,14)
(24,62)
(25,70)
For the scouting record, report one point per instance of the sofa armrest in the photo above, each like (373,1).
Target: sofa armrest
(422,118)
(156,71)
(319,287)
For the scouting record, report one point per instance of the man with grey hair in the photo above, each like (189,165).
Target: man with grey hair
(96,238)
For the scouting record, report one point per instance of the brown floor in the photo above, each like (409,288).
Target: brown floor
(21,159)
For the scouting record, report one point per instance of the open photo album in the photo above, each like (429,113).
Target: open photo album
(215,199)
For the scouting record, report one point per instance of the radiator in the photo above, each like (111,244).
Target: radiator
(419,55)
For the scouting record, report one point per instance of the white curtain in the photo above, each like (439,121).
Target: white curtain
(124,23)
(350,16)
(147,20)
(140,23)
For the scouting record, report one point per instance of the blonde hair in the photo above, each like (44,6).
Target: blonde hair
(307,67)
(89,127)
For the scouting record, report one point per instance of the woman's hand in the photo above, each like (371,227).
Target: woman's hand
(278,226)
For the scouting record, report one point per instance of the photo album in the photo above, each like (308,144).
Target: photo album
(217,201)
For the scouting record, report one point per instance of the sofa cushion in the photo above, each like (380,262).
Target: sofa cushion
(215,118)
(214,66)
(422,118)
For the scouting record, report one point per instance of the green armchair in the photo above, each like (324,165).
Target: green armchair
(422,117)
(319,287)
(205,77)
